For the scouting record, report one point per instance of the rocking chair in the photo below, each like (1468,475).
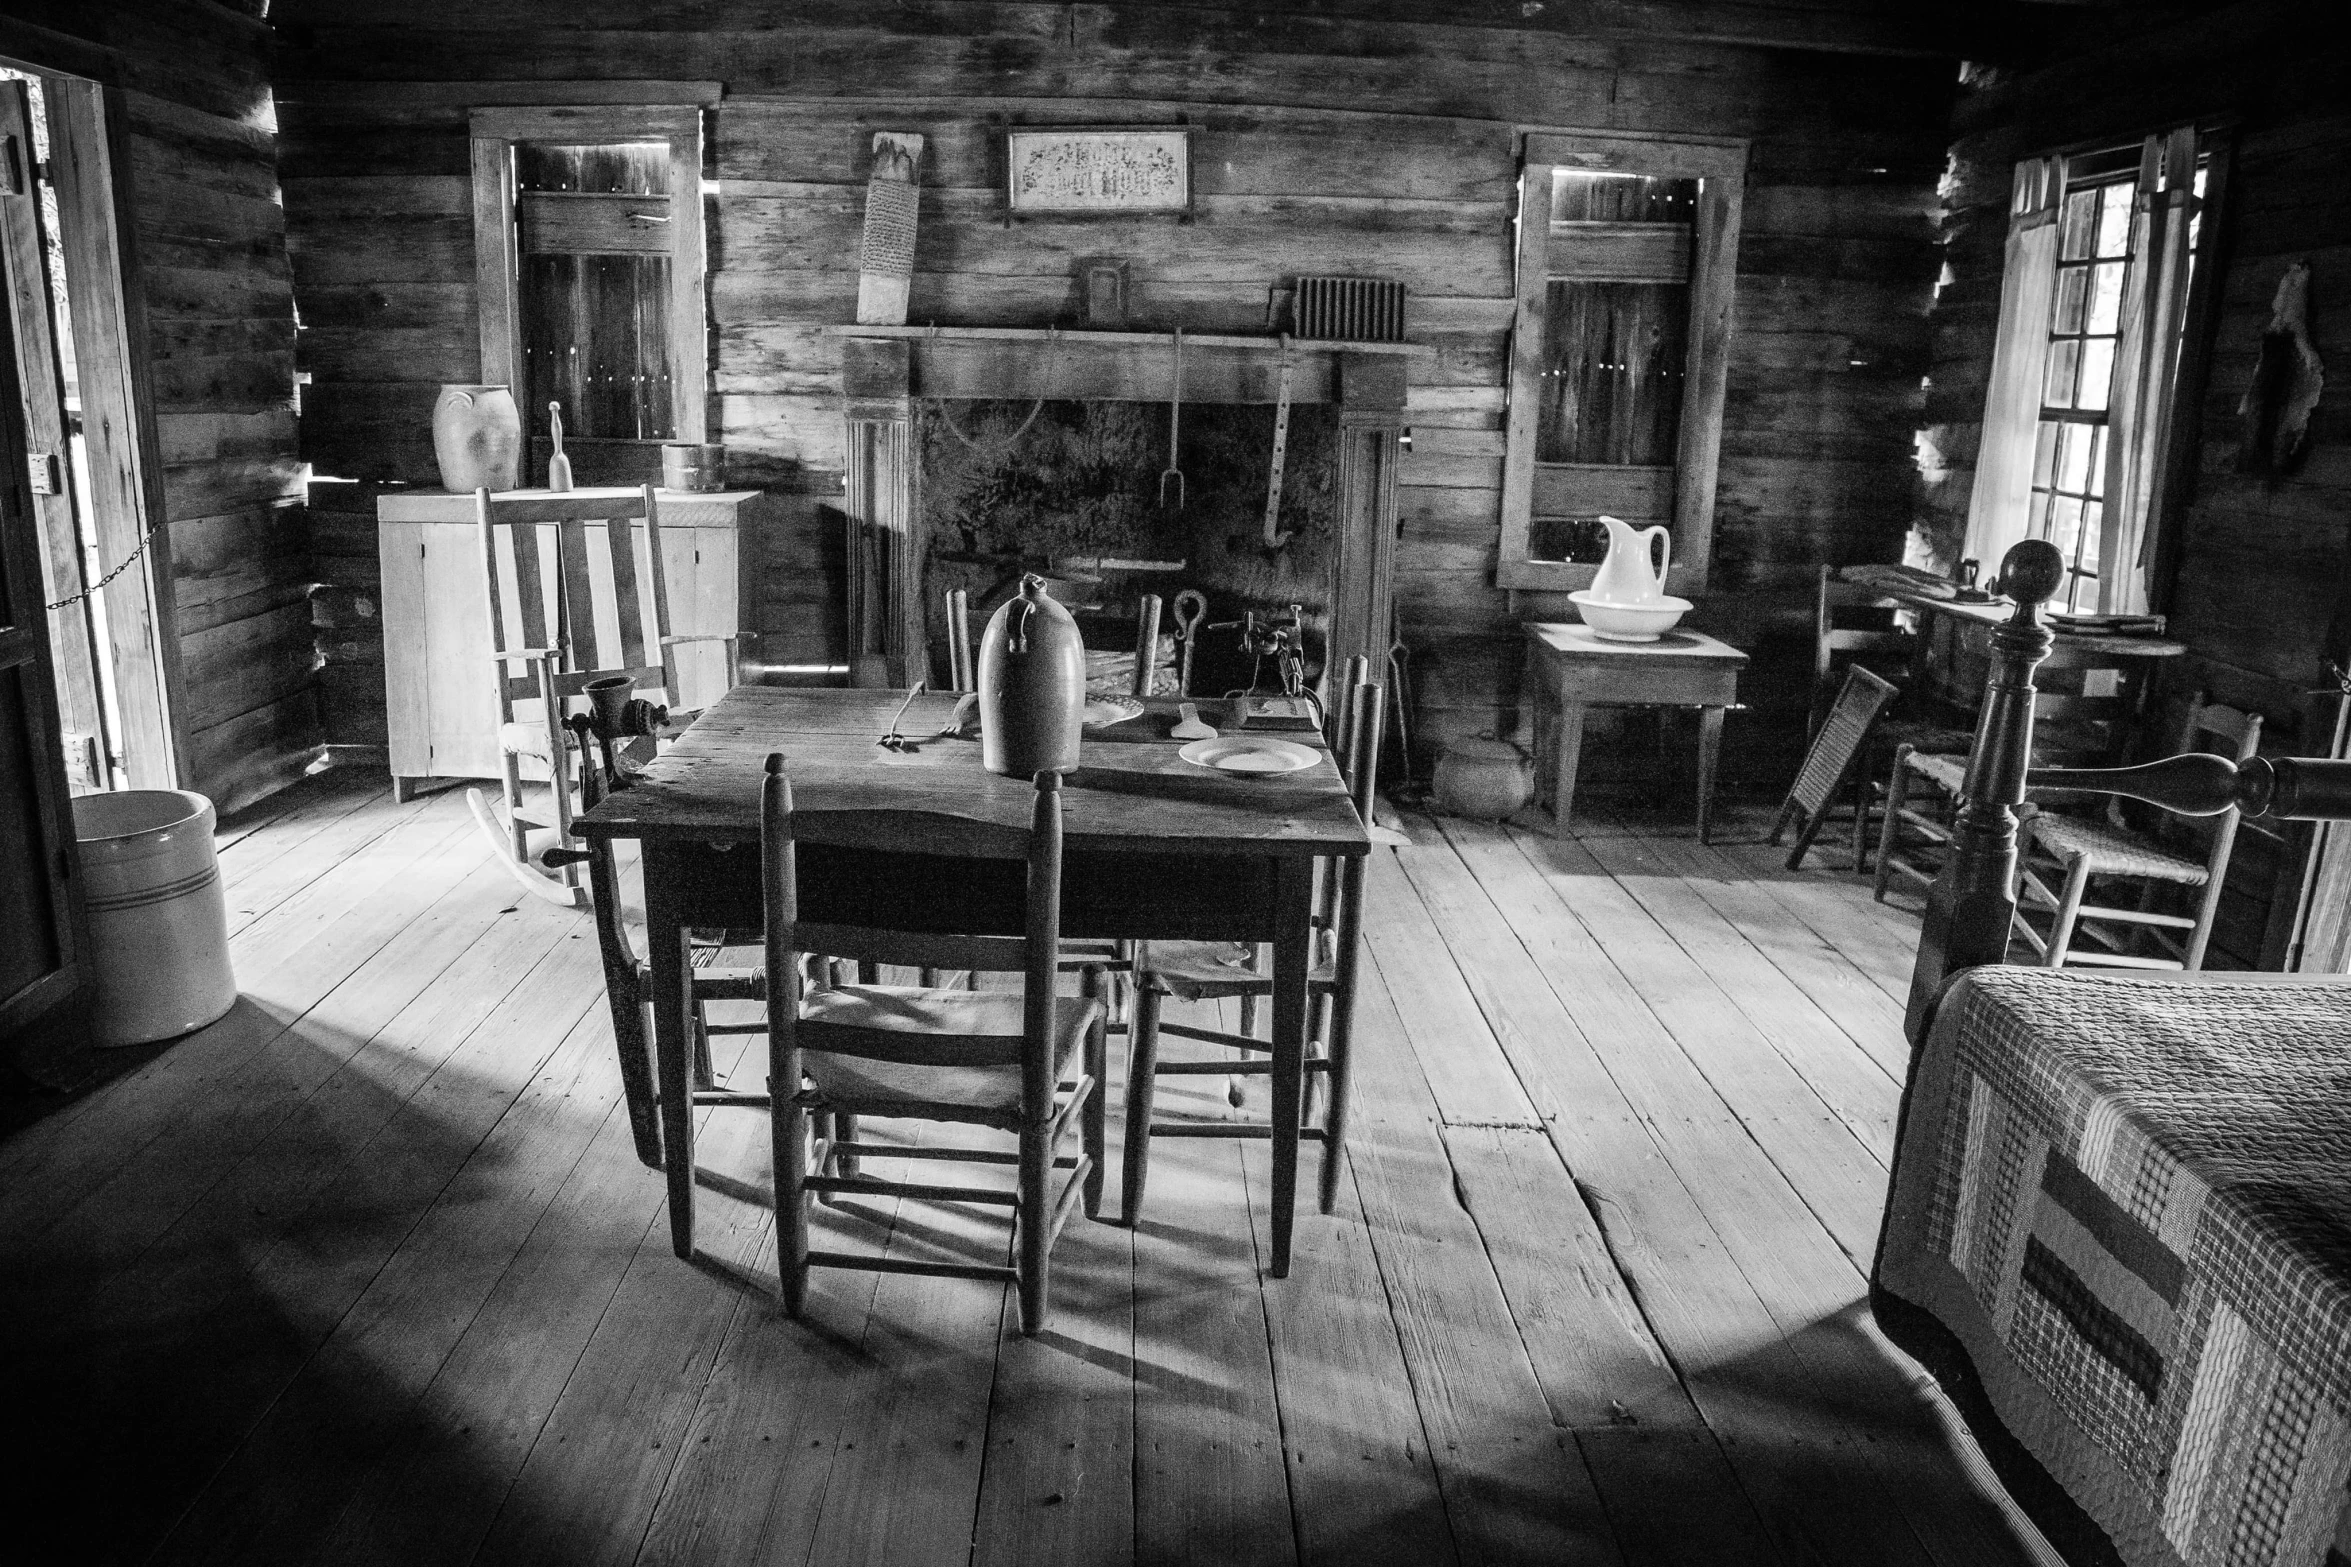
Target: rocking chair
(565,614)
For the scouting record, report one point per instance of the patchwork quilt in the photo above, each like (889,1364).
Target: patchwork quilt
(2128,1199)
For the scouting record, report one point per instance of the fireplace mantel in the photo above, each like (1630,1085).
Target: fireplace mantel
(1013,362)
(886,369)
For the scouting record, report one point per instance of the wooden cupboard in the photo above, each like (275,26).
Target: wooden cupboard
(440,713)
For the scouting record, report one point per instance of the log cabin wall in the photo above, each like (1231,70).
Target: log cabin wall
(207,260)
(1339,142)
(2264,576)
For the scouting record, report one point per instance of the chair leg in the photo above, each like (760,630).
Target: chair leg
(705,1077)
(517,837)
(1890,835)
(2200,935)
(1142,1080)
(845,1128)
(1860,819)
(1094,1119)
(791,1162)
(1035,1228)
(1334,1120)
(2069,909)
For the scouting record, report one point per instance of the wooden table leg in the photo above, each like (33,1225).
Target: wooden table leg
(1293,901)
(1570,752)
(672,979)
(1709,754)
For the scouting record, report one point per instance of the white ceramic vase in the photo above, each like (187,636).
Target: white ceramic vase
(477,438)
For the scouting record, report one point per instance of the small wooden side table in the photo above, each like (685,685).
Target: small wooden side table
(1569,670)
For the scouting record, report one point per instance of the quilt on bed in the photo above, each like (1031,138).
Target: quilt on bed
(2129,1201)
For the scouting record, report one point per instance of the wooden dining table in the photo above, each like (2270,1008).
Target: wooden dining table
(1155,848)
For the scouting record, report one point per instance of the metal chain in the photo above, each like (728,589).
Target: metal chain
(145,539)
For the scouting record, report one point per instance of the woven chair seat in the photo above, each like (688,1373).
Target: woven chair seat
(1210,970)
(1946,773)
(2110,850)
(929,1026)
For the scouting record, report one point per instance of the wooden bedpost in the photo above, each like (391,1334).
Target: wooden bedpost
(1973,901)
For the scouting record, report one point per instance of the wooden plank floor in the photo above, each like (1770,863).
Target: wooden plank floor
(368,1272)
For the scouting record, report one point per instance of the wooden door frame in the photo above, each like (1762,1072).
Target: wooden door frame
(88,166)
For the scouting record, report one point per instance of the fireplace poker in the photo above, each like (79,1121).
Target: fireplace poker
(1175,410)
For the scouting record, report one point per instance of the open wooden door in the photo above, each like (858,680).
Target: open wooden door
(74,642)
(41,947)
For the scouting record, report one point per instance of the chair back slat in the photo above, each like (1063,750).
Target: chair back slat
(659,572)
(487,536)
(620,547)
(530,589)
(914,948)
(908,1047)
(2240,728)
(579,594)
(913,833)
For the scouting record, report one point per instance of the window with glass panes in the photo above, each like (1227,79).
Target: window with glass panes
(2069,456)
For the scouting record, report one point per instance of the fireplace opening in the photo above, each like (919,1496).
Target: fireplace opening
(1072,491)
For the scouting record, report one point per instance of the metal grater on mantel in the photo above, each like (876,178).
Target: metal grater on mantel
(1348,310)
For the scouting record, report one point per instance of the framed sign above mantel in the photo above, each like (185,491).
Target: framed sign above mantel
(1077,171)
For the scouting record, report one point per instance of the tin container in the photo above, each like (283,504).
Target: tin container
(692,467)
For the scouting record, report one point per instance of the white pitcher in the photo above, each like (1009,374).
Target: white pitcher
(1626,577)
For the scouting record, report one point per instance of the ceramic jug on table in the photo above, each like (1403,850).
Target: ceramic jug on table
(1032,681)
(1626,575)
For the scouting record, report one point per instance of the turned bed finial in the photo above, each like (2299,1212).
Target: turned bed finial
(1973,901)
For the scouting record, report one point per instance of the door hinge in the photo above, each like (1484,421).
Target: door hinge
(12,166)
(48,473)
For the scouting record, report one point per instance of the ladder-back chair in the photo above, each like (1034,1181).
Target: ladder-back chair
(1837,640)
(1028,1062)
(568,604)
(628,977)
(2072,850)
(1205,971)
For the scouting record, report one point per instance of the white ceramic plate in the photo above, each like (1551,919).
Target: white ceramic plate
(1103,711)
(1250,754)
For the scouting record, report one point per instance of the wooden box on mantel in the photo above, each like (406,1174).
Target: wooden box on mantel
(437,696)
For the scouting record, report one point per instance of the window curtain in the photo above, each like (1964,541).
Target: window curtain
(2146,364)
(1997,507)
